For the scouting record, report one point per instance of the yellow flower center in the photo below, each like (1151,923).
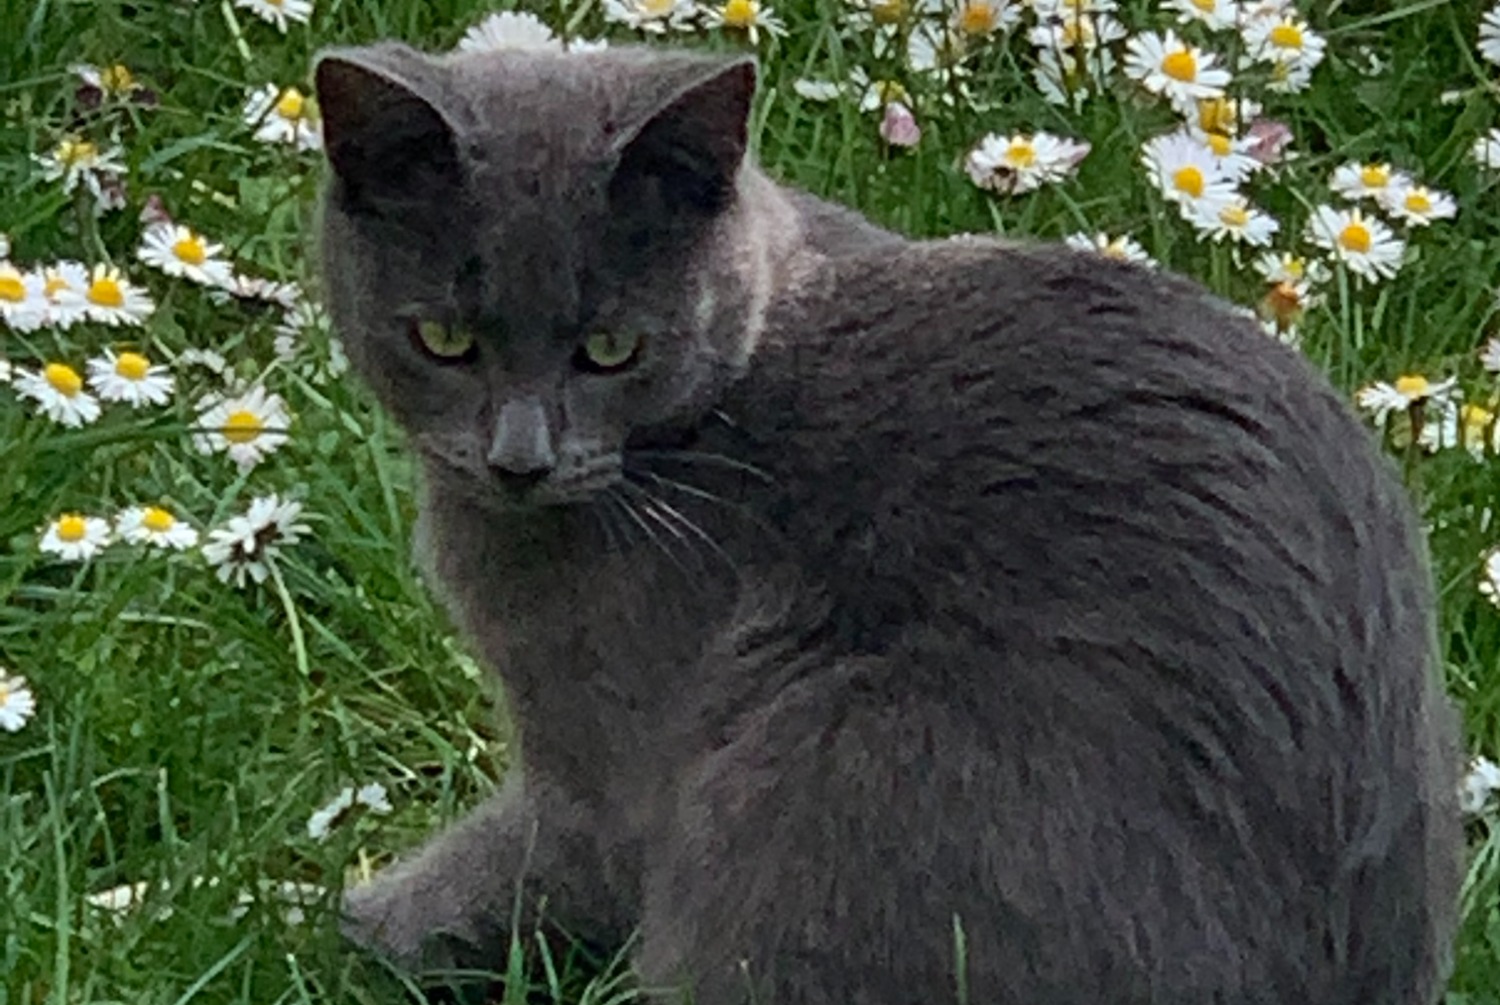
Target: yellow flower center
(71,153)
(291,104)
(1412,386)
(978,17)
(1020,154)
(1417,201)
(242,427)
(1355,237)
(276,3)
(106,292)
(740,13)
(132,366)
(1180,65)
(1234,216)
(1115,249)
(12,288)
(116,79)
(1188,179)
(889,91)
(1216,115)
(157,519)
(63,378)
(191,250)
(1219,144)
(1293,266)
(71,528)
(54,285)
(1206,6)
(1374,176)
(1076,31)
(1286,35)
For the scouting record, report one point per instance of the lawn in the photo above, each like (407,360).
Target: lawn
(224,691)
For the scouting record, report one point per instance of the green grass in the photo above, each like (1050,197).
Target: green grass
(187,729)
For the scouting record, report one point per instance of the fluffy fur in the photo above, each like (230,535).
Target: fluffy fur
(895,587)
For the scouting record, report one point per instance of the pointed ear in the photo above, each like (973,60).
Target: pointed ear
(684,157)
(388,143)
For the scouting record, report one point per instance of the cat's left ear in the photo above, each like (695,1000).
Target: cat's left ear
(686,154)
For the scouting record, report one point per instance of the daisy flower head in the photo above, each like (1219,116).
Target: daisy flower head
(74,537)
(17,703)
(654,16)
(278,12)
(1489,35)
(1282,307)
(1022,162)
(114,300)
(1240,222)
(178,251)
(76,161)
(1186,172)
(1285,267)
(1122,249)
(1174,69)
(129,377)
(1416,205)
(1226,116)
(749,16)
(1364,244)
(113,81)
(1367,181)
(509,30)
(243,548)
(1486,150)
(874,95)
(1407,391)
(1469,426)
(283,115)
(1483,777)
(1215,15)
(156,527)
(247,426)
(1489,583)
(982,18)
(23,298)
(64,284)
(1284,41)
(1233,157)
(58,392)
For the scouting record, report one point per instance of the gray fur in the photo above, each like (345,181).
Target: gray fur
(898,584)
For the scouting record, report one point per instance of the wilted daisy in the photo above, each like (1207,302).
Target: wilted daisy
(58,391)
(1122,249)
(23,298)
(283,115)
(749,16)
(1187,173)
(1489,35)
(1239,221)
(129,377)
(114,300)
(1381,399)
(278,12)
(1282,307)
(64,284)
(1483,777)
(1486,150)
(655,16)
(74,537)
(898,126)
(78,161)
(1216,15)
(17,703)
(242,548)
(247,426)
(1166,65)
(509,30)
(154,526)
(1366,181)
(1366,245)
(179,251)
(1022,162)
(1417,205)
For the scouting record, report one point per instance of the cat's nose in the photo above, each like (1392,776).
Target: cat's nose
(522,442)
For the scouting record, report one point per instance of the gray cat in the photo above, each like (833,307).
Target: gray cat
(851,593)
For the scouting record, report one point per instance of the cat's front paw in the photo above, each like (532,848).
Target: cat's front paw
(388,919)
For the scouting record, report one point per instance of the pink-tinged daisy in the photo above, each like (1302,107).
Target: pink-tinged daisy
(1121,249)
(23,298)
(74,537)
(278,12)
(247,426)
(64,284)
(898,126)
(1364,244)
(129,377)
(1417,205)
(246,546)
(1022,162)
(283,116)
(115,300)
(179,251)
(1180,72)
(17,703)
(156,527)
(58,392)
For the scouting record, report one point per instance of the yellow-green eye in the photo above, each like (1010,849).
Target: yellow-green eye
(602,352)
(448,342)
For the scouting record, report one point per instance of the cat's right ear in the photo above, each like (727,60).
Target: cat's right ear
(387,140)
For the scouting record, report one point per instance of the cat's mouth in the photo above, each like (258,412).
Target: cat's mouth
(563,486)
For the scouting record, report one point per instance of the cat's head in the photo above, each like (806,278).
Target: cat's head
(533,256)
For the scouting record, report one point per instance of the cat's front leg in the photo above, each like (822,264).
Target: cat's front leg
(451,904)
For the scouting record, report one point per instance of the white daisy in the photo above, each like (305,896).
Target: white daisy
(1285,267)
(1417,205)
(749,16)
(1486,150)
(58,391)
(1366,245)
(77,161)
(1483,777)
(1231,156)
(1122,249)
(1489,355)
(1381,399)
(1216,15)
(1489,35)
(1285,41)
(178,251)
(1366,181)
(817,90)
(129,377)
(1166,65)
(981,18)
(74,537)
(1186,172)
(213,362)
(115,300)
(509,30)
(64,284)
(242,548)
(874,95)
(23,298)
(1022,162)
(654,16)
(278,12)
(1239,221)
(247,426)
(1469,426)
(283,115)
(17,703)
(155,526)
